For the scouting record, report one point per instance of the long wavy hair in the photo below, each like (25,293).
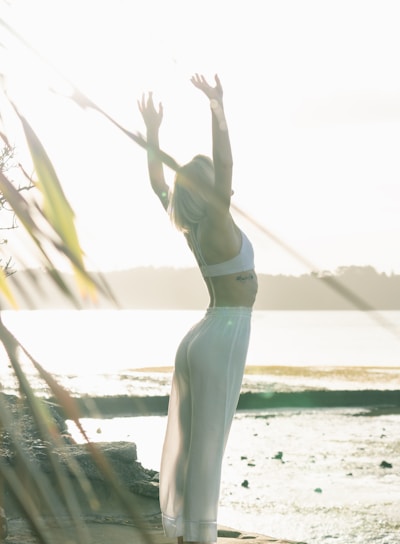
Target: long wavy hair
(187,205)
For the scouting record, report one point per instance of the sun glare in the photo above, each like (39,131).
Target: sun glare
(295,131)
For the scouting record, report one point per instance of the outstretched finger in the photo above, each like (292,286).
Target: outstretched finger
(150,99)
(141,104)
(199,79)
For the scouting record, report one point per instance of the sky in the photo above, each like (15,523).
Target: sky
(312,99)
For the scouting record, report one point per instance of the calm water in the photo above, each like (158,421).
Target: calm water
(66,341)
(327,484)
(99,352)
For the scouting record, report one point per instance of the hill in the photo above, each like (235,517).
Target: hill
(170,288)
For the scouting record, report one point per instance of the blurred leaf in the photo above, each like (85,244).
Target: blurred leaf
(44,492)
(28,504)
(5,289)
(58,280)
(56,208)
(46,427)
(19,205)
(63,397)
(71,411)
(55,205)
(23,212)
(42,419)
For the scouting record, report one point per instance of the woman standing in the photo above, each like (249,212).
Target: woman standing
(210,360)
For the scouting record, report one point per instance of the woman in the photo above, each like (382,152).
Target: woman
(210,360)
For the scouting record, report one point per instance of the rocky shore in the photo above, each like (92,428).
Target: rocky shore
(125,405)
(99,486)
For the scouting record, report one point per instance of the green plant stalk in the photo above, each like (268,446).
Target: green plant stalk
(41,419)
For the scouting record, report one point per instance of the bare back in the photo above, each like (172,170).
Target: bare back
(220,242)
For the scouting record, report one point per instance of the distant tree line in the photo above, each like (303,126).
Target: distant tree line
(165,288)
(334,291)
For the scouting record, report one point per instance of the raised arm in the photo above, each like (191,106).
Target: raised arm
(152,119)
(222,153)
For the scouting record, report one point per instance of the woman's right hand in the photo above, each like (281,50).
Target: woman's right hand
(152,118)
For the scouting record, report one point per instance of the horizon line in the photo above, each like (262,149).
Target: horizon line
(317,273)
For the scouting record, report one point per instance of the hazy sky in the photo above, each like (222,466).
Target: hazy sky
(312,97)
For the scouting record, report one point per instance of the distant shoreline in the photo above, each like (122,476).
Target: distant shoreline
(348,288)
(353,372)
(355,378)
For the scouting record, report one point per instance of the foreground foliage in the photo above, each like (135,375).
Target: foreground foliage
(48,220)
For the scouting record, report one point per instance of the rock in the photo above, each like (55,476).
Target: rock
(3,525)
(147,488)
(74,459)
(108,521)
(278,455)
(121,455)
(23,423)
(231,536)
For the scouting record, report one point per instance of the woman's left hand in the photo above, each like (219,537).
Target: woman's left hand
(213,93)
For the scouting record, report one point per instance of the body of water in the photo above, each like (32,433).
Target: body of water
(99,352)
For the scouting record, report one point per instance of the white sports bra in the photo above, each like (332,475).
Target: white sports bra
(243,261)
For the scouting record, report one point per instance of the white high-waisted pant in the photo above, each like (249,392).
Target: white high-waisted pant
(206,384)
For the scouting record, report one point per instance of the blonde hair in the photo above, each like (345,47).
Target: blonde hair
(189,195)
